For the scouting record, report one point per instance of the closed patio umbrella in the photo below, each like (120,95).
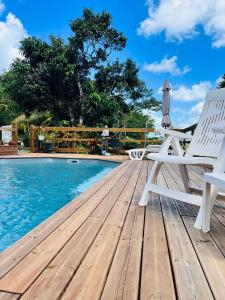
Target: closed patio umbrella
(166,105)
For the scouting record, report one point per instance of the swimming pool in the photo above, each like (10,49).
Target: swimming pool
(33,189)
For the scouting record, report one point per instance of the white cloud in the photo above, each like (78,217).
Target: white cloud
(180,19)
(187,118)
(12,32)
(194,93)
(167,65)
(188,115)
(178,110)
(2,7)
(157,116)
(186,122)
(196,109)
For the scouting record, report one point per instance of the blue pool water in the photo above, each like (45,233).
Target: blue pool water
(33,189)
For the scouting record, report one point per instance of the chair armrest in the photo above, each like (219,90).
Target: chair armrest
(219,129)
(175,133)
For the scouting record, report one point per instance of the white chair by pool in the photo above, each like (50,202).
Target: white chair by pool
(205,149)
(139,153)
(213,182)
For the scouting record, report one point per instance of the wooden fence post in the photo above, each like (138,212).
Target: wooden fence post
(74,136)
(32,139)
(15,134)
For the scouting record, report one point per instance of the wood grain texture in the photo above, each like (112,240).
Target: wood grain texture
(157,278)
(123,279)
(190,280)
(104,246)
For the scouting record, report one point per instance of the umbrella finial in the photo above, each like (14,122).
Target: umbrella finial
(166,85)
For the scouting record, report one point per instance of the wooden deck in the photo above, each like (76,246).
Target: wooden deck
(103,245)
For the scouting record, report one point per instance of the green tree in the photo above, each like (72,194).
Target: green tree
(121,81)
(92,42)
(137,120)
(222,83)
(74,80)
(55,76)
(8,108)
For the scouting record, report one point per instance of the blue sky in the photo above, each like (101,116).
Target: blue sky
(182,41)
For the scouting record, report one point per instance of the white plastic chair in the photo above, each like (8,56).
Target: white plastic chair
(139,153)
(206,148)
(6,134)
(213,182)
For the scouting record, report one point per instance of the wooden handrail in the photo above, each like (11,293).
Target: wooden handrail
(92,140)
(93,129)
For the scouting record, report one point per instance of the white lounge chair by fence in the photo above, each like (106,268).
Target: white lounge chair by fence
(206,148)
(139,153)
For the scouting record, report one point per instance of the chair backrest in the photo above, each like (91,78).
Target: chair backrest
(153,148)
(204,141)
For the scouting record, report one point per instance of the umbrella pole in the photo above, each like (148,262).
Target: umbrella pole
(146,126)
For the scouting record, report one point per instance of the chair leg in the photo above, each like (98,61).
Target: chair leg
(151,179)
(206,208)
(205,212)
(198,221)
(184,176)
(142,154)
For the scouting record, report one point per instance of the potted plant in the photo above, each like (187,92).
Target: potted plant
(49,143)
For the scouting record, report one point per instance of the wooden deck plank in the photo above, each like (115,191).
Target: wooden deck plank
(103,245)
(8,296)
(211,258)
(11,256)
(123,279)
(197,180)
(36,261)
(217,231)
(157,278)
(171,176)
(195,177)
(57,275)
(190,280)
(129,288)
(219,212)
(90,278)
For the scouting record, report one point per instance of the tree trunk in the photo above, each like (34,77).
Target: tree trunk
(82,98)
(72,118)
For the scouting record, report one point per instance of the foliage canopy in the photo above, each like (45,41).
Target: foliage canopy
(77,80)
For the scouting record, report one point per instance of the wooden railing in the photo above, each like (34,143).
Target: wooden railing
(75,136)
